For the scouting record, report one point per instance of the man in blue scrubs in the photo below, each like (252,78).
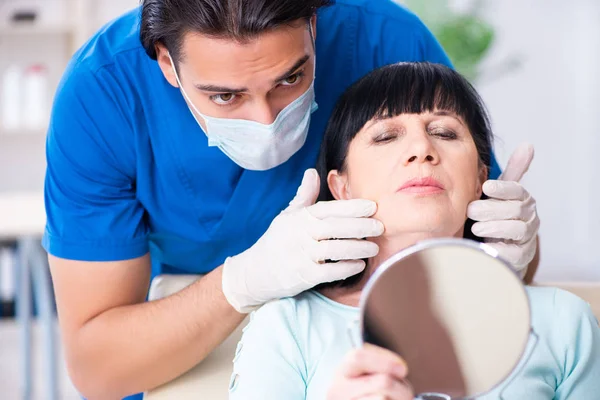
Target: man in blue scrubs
(179,134)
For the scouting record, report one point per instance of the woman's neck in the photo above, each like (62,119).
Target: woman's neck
(388,246)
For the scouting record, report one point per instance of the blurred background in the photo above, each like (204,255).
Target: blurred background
(536,63)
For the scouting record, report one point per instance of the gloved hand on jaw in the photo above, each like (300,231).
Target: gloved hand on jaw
(289,257)
(508,220)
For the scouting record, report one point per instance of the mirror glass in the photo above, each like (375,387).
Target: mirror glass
(456,313)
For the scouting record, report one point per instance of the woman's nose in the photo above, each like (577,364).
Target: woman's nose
(428,157)
(421,151)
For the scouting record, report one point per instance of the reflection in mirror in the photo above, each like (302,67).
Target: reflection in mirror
(456,313)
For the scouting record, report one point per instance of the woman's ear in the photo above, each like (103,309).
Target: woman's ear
(338,185)
(483,176)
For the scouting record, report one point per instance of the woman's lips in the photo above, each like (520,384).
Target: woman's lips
(422,186)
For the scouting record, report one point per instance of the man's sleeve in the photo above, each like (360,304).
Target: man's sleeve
(92,210)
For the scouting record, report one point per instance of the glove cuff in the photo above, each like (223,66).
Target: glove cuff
(230,284)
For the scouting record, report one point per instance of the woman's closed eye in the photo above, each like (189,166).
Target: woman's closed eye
(390,136)
(386,136)
(443,133)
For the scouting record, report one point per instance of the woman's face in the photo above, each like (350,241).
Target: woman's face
(422,170)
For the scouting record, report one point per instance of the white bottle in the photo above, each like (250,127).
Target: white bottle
(7,275)
(10,100)
(35,109)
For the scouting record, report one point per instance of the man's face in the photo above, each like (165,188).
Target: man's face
(253,80)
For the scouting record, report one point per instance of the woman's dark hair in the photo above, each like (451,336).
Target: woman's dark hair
(404,88)
(167,21)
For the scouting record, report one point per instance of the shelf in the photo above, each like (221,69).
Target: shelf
(22,132)
(33,29)
(22,214)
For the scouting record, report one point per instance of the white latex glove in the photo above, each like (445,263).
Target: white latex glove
(508,219)
(289,257)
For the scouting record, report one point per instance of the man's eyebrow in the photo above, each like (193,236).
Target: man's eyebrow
(220,89)
(290,71)
(224,89)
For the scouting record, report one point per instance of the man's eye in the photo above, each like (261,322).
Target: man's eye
(223,99)
(293,80)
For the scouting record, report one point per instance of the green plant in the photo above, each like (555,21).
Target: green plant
(465,36)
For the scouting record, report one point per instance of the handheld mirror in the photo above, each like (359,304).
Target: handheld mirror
(456,313)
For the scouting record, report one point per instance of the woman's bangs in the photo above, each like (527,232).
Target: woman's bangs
(418,93)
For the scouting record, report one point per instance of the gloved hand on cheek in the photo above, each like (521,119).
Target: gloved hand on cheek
(290,257)
(508,220)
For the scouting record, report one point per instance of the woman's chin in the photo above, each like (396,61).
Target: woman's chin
(423,228)
(427,219)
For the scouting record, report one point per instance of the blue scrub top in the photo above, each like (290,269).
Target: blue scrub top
(130,171)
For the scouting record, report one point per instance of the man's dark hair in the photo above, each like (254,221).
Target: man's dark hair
(167,21)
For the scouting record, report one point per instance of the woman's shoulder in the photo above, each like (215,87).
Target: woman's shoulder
(283,311)
(554,300)
(558,311)
(309,306)
(570,339)
(310,322)
(297,328)
(271,357)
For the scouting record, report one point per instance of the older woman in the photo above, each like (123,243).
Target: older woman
(415,138)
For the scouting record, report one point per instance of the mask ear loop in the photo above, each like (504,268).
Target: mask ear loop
(314,44)
(312,36)
(179,81)
(191,105)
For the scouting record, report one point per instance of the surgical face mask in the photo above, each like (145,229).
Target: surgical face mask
(256,146)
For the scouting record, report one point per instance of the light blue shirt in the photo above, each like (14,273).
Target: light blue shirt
(292,348)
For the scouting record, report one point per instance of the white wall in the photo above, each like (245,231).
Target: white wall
(553,101)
